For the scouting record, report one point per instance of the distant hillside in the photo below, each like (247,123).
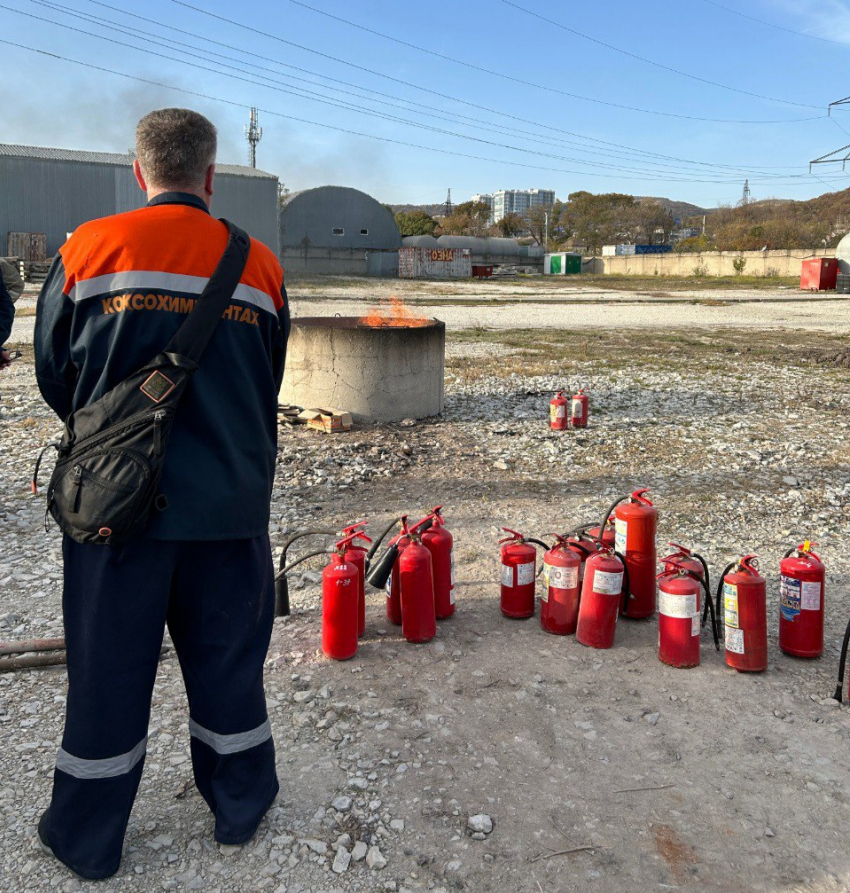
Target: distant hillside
(679,210)
(431,210)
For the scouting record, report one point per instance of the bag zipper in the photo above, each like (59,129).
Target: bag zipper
(158,416)
(126,425)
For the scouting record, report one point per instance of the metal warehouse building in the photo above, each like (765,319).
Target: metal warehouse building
(334,229)
(53,191)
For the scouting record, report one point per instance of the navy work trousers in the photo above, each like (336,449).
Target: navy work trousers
(218,601)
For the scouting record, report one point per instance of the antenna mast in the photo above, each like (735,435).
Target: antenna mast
(253,133)
(449,204)
(745,200)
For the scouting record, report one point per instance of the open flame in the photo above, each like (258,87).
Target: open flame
(397,315)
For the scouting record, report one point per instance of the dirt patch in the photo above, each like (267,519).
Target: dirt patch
(676,853)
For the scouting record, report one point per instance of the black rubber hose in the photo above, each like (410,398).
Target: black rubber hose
(377,544)
(625,582)
(789,553)
(842,664)
(714,629)
(281,587)
(707,579)
(720,584)
(610,512)
(546,547)
(298,561)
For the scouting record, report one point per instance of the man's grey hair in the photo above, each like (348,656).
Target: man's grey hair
(175,147)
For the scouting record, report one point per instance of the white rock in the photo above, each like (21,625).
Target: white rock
(358,853)
(481,823)
(342,804)
(375,859)
(341,861)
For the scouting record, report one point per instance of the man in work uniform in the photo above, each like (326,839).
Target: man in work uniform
(117,292)
(11,288)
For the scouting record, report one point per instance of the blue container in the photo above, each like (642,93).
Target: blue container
(653,249)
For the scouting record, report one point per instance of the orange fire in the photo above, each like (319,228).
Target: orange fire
(398,315)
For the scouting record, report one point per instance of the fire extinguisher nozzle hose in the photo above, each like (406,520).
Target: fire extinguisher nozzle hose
(729,567)
(379,539)
(842,666)
(610,512)
(380,573)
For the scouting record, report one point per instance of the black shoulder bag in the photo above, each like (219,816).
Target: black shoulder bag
(105,485)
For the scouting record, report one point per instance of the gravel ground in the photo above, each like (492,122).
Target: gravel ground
(473,762)
(493,304)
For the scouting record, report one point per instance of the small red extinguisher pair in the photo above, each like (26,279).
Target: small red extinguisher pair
(568,412)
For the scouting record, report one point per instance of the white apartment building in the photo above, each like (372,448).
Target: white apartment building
(518,201)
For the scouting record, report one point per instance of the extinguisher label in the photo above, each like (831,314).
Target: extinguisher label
(561,577)
(789,597)
(389,586)
(605,583)
(452,567)
(810,600)
(525,573)
(734,640)
(695,625)
(680,606)
(558,411)
(577,409)
(621,533)
(507,575)
(730,606)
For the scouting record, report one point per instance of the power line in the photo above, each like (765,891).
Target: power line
(218,99)
(311,96)
(644,59)
(524,121)
(559,92)
(744,15)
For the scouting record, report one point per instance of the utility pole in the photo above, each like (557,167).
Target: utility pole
(253,133)
(546,235)
(449,203)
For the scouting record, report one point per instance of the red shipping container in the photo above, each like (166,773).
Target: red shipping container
(820,274)
(481,271)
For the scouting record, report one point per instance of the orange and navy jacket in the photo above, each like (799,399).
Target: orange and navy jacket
(116,293)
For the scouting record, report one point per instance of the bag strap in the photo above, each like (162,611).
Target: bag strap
(191,339)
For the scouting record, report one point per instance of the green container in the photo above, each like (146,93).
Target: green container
(572,264)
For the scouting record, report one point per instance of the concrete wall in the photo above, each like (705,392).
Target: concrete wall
(713,263)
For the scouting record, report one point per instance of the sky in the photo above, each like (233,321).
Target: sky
(407,100)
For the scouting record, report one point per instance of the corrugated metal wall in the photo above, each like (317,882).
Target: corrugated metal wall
(54,197)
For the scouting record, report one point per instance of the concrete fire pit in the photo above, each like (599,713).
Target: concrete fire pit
(381,372)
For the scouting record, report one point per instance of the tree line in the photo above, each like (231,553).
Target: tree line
(587,222)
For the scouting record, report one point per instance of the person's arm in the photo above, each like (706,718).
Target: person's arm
(54,371)
(7,315)
(285,325)
(12,280)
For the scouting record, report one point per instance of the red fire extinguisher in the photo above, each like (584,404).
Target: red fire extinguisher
(605,585)
(561,589)
(579,409)
(439,542)
(744,599)
(679,609)
(416,578)
(558,419)
(801,602)
(339,604)
(356,554)
(635,523)
(519,575)
(697,566)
